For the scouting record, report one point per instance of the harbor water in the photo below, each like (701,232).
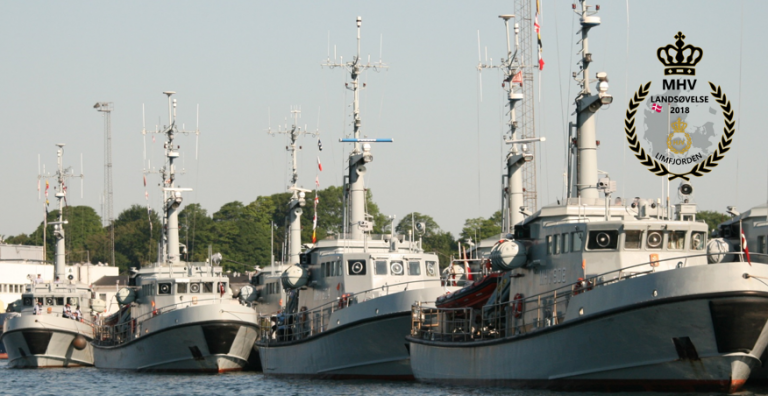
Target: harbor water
(91,381)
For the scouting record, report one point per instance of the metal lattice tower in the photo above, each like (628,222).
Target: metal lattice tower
(109,214)
(526,128)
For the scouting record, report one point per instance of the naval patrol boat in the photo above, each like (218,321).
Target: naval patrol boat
(602,295)
(349,296)
(43,330)
(176,315)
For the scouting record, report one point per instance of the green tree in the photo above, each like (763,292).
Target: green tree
(480,228)
(712,218)
(137,233)
(434,238)
(195,231)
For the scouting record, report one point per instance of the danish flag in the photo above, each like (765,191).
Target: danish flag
(744,247)
(656,107)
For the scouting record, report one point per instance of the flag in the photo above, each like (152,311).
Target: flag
(538,32)
(317,181)
(656,107)
(314,220)
(145,180)
(744,247)
(46,190)
(319,145)
(518,78)
(466,265)
(319,165)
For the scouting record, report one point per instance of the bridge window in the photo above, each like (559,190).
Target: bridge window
(550,245)
(431,268)
(556,242)
(208,287)
(414,268)
(181,287)
(356,267)
(164,288)
(603,240)
(381,267)
(676,240)
(194,288)
(633,239)
(397,268)
(653,240)
(566,243)
(699,240)
(761,244)
(578,241)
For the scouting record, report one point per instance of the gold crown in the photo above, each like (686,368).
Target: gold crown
(682,59)
(679,126)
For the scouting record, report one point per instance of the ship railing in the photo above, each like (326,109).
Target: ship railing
(118,334)
(286,327)
(521,315)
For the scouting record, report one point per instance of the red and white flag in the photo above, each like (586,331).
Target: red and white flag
(145,180)
(656,107)
(518,78)
(319,165)
(538,32)
(744,247)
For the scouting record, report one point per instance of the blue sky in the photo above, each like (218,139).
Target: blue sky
(237,59)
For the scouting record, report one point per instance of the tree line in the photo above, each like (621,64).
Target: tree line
(243,234)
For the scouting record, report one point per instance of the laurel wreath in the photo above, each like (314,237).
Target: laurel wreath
(700,168)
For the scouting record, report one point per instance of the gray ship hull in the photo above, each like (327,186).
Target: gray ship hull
(369,349)
(40,341)
(207,338)
(365,345)
(678,340)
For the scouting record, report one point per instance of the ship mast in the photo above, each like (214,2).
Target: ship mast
(61,195)
(297,199)
(169,250)
(587,104)
(519,152)
(361,154)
